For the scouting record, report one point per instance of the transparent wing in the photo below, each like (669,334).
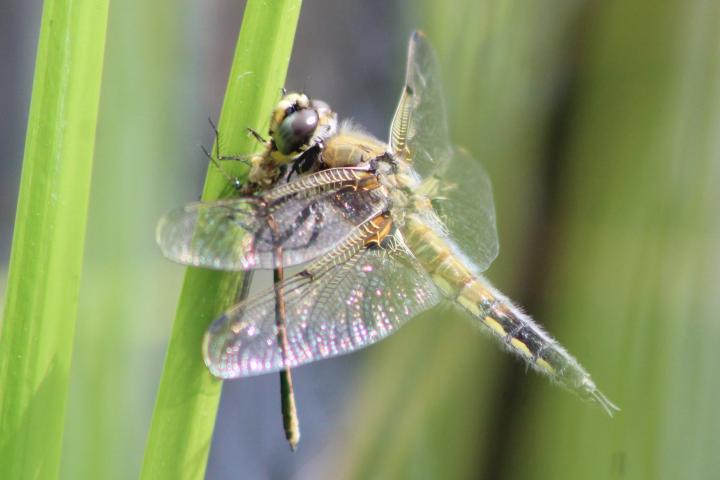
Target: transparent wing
(236,234)
(458,184)
(419,130)
(461,196)
(332,312)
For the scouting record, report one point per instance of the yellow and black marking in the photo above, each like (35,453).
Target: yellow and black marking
(366,183)
(379,227)
(513,328)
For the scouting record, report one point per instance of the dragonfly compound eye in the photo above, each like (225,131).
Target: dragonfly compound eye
(296,130)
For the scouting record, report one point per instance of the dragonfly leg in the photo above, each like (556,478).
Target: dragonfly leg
(288,406)
(257,135)
(217,158)
(291,423)
(234,181)
(305,162)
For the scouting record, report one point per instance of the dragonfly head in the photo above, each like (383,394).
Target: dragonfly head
(298,123)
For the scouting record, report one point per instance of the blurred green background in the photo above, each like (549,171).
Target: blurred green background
(598,122)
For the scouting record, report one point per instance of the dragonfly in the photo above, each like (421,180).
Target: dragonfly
(383,231)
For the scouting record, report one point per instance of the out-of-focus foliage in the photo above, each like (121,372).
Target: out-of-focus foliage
(128,293)
(635,251)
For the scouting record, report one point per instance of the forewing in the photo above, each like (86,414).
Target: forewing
(236,234)
(461,194)
(419,130)
(458,184)
(340,310)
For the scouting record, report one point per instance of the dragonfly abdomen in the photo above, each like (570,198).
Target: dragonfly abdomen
(518,332)
(497,314)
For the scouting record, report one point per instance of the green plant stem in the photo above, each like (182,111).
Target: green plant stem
(184,415)
(47,250)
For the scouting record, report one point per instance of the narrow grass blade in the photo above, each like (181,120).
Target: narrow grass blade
(188,396)
(47,249)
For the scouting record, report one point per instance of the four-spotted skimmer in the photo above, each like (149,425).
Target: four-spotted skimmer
(387,230)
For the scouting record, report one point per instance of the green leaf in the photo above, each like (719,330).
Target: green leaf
(188,397)
(47,249)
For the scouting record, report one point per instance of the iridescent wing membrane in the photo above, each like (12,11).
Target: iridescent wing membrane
(333,307)
(462,197)
(237,234)
(419,127)
(457,184)
(350,296)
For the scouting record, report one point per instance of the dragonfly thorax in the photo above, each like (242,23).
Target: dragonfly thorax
(352,147)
